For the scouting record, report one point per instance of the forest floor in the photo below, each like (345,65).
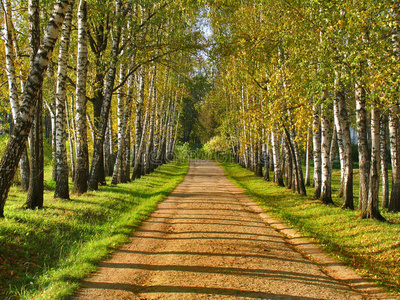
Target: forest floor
(208,240)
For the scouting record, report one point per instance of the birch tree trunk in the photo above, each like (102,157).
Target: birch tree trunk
(62,188)
(82,155)
(277,162)
(127,158)
(300,186)
(51,110)
(384,160)
(98,44)
(258,159)
(124,112)
(139,122)
(308,164)
(244,141)
(163,146)
(150,145)
(394,205)
(343,125)
(34,197)
(338,125)
(162,125)
(117,170)
(171,126)
(71,140)
(16,143)
(317,151)
(332,152)
(109,152)
(150,140)
(10,58)
(371,210)
(288,165)
(361,118)
(13,87)
(326,135)
(72,133)
(265,155)
(138,168)
(105,109)
(363,152)
(127,135)
(107,148)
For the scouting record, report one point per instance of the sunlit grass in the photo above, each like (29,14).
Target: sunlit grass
(370,247)
(44,253)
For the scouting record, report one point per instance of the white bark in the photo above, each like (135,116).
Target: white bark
(345,149)
(16,144)
(317,150)
(122,113)
(12,85)
(326,191)
(308,167)
(363,153)
(82,159)
(372,208)
(394,136)
(71,141)
(339,131)
(394,111)
(384,160)
(139,121)
(277,162)
(62,189)
(10,58)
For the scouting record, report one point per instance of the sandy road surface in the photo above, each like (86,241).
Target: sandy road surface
(209,241)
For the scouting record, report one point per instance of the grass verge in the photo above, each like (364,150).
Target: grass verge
(45,253)
(370,247)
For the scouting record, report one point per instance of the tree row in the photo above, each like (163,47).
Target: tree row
(299,79)
(109,71)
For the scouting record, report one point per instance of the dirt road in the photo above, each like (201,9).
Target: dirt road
(209,241)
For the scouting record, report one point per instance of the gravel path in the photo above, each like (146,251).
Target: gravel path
(209,241)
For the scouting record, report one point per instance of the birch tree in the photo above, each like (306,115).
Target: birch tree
(277,168)
(124,113)
(34,198)
(317,150)
(371,209)
(62,188)
(384,160)
(394,112)
(13,85)
(139,121)
(363,152)
(326,135)
(98,38)
(16,144)
(105,109)
(343,126)
(395,156)
(82,156)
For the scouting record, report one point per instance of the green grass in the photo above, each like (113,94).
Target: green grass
(370,247)
(44,253)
